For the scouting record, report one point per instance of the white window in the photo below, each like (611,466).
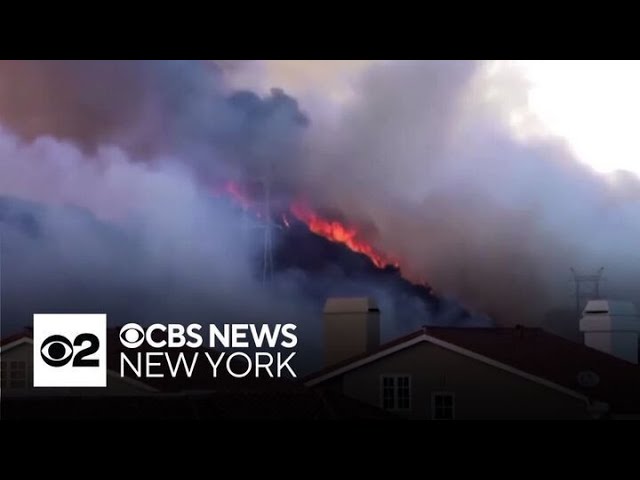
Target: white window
(395,391)
(443,406)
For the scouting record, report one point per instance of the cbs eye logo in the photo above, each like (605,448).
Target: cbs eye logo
(69,350)
(57,350)
(132,335)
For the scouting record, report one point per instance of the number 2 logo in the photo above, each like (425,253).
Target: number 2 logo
(57,350)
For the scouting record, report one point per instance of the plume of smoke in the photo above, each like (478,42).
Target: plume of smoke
(428,158)
(106,171)
(167,251)
(423,155)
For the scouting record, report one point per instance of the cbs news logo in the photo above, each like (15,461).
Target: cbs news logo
(69,350)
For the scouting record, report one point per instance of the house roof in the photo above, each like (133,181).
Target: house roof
(15,339)
(529,352)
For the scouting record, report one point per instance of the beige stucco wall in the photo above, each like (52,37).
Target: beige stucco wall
(481,391)
(24,352)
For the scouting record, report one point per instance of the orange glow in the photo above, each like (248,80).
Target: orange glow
(339,233)
(330,229)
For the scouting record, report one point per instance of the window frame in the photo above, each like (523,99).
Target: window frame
(396,388)
(443,393)
(13,368)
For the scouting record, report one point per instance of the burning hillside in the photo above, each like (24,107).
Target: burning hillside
(338,232)
(318,245)
(330,229)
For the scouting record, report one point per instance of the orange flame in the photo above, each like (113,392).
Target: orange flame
(330,229)
(339,233)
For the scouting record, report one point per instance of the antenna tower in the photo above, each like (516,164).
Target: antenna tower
(592,281)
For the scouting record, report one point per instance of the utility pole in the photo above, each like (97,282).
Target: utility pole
(589,293)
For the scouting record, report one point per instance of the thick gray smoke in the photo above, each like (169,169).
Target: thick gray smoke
(107,198)
(420,160)
(162,232)
(426,162)
(148,244)
(494,220)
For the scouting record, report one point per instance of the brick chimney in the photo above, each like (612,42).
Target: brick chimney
(351,327)
(612,327)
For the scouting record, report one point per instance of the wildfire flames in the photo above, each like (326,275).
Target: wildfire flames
(338,232)
(330,229)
